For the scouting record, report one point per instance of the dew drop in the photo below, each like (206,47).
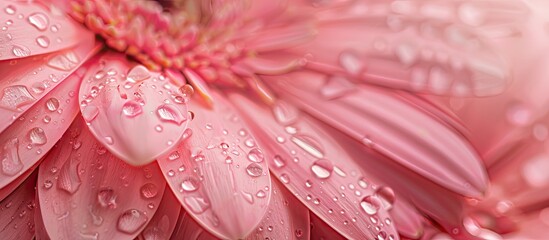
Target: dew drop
(38,87)
(254,170)
(174,155)
(170,113)
(15,97)
(138,74)
(248,197)
(260,194)
(11,162)
(309,145)
(285,113)
(158,128)
(387,196)
(255,155)
(190,184)
(279,161)
(43,41)
(52,104)
(48,184)
(370,204)
(285,178)
(37,136)
(106,198)
(39,20)
(131,220)
(10,9)
(350,61)
(109,140)
(90,112)
(149,190)
(20,51)
(132,109)
(322,168)
(197,204)
(69,178)
(64,62)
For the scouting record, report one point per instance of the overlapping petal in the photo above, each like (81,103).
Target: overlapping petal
(86,192)
(164,220)
(17,212)
(218,172)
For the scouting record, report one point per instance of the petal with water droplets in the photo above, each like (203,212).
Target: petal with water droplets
(17,211)
(188,229)
(134,112)
(31,29)
(86,192)
(315,169)
(164,220)
(217,171)
(386,123)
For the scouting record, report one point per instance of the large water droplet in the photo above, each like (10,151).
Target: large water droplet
(69,179)
(170,113)
(309,145)
(322,168)
(106,198)
(15,97)
(43,41)
(255,155)
(279,161)
(11,163)
(350,61)
(254,170)
(90,112)
(10,9)
(39,20)
(20,51)
(197,204)
(37,136)
(131,220)
(64,62)
(387,196)
(370,204)
(149,190)
(285,113)
(190,184)
(132,109)
(52,104)
(138,74)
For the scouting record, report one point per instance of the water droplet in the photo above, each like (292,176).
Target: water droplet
(89,113)
(336,86)
(255,155)
(171,173)
(308,183)
(158,128)
(309,145)
(279,161)
(131,220)
(138,74)
(10,9)
(174,155)
(43,41)
(322,168)
(285,178)
(190,184)
(39,20)
(48,184)
(261,194)
(170,113)
(149,190)
(106,198)
(64,62)
(52,104)
(46,119)
(350,61)
(38,87)
(20,51)
(249,142)
(15,97)
(285,113)
(132,109)
(248,197)
(370,204)
(197,204)
(109,140)
(254,170)
(387,196)
(69,178)
(37,136)
(362,183)
(11,162)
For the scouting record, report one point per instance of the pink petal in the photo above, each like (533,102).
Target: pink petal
(164,220)
(385,123)
(286,217)
(188,229)
(320,230)
(8,189)
(86,192)
(218,170)
(17,212)
(408,220)
(40,232)
(24,82)
(27,140)
(31,29)
(316,170)
(137,114)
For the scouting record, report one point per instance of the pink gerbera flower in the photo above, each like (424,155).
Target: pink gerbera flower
(282,119)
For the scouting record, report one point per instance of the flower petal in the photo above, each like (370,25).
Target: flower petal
(286,217)
(24,82)
(137,114)
(188,229)
(27,140)
(408,221)
(387,124)
(86,192)
(164,220)
(218,170)
(8,189)
(320,230)
(17,212)
(31,29)
(316,170)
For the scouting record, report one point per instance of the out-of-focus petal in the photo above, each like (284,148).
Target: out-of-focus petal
(17,212)
(320,230)
(188,229)
(137,114)
(4,192)
(286,217)
(316,170)
(218,171)
(392,127)
(35,132)
(30,29)
(40,232)
(408,220)
(164,220)
(26,81)
(86,192)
